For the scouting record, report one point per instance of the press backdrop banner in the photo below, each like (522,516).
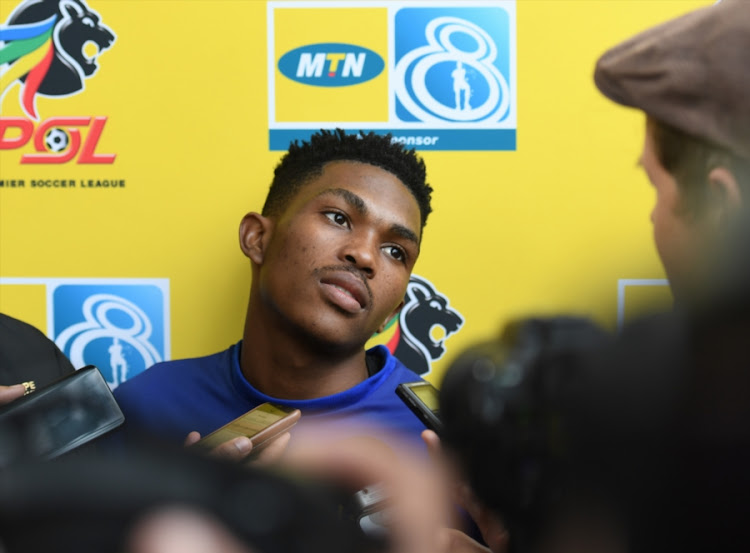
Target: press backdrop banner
(134,136)
(448,84)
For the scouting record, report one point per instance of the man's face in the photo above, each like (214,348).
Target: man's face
(341,254)
(677,235)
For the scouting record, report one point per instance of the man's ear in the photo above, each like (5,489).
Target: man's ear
(390,317)
(255,233)
(724,193)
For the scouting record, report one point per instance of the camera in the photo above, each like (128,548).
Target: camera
(91,502)
(504,406)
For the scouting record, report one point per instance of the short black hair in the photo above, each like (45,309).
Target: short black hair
(306,160)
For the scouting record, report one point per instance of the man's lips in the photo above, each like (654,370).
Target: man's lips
(347,289)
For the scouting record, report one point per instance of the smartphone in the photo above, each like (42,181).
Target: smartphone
(422,398)
(261,425)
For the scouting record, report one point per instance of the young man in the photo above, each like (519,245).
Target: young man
(331,254)
(690,77)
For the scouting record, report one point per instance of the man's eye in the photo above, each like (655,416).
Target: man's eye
(396,253)
(338,218)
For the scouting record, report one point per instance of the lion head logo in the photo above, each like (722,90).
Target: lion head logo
(425,309)
(42,46)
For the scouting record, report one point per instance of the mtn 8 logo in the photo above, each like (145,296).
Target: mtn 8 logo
(454,77)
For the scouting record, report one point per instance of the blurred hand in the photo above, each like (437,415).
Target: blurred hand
(416,495)
(241,447)
(9,393)
(415,491)
(490,524)
(175,530)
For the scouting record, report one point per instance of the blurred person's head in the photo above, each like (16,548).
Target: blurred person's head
(583,443)
(690,77)
(699,192)
(661,432)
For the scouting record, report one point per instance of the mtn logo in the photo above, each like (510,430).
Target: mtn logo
(331,64)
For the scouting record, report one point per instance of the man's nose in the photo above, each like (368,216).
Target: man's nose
(361,252)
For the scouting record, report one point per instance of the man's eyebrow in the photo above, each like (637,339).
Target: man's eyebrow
(405,233)
(350,197)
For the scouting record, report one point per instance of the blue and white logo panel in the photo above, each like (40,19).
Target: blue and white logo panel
(120,326)
(453,65)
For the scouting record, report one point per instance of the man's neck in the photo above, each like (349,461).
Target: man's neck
(281,366)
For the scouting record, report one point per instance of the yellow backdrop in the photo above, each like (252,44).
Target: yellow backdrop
(561,224)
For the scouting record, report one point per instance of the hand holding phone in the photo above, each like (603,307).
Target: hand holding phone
(262,425)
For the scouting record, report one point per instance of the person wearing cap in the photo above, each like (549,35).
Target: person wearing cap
(670,403)
(691,78)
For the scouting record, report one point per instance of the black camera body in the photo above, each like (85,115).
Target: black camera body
(504,404)
(90,502)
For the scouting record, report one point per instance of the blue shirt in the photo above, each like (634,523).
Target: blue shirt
(173,398)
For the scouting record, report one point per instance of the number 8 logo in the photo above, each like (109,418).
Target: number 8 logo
(441,49)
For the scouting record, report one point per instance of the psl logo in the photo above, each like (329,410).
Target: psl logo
(119,328)
(42,46)
(450,68)
(425,309)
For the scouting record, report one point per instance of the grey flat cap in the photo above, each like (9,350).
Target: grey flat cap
(692,72)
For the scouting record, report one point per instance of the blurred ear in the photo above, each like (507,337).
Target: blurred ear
(390,317)
(255,233)
(724,191)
